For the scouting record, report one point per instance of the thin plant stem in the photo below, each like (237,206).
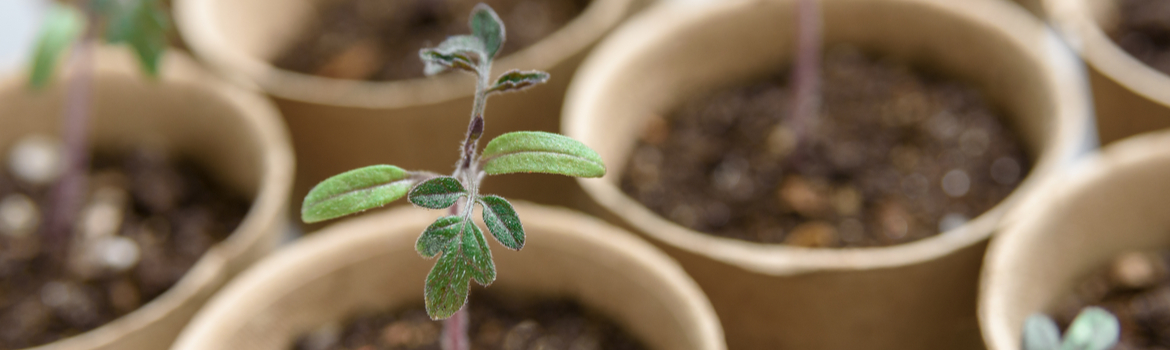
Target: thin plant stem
(68,192)
(807,70)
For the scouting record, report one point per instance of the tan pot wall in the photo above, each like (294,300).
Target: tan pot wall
(235,135)
(369,263)
(1116,201)
(338,125)
(919,295)
(1130,97)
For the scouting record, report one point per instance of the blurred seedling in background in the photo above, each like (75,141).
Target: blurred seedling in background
(465,255)
(73,30)
(1092,329)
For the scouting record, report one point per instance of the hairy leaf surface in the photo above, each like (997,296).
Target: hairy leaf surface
(439,234)
(515,80)
(486,25)
(355,191)
(464,259)
(62,26)
(541,152)
(437,193)
(502,221)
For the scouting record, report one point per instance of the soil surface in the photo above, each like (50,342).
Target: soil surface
(146,221)
(380,39)
(1135,287)
(1143,30)
(495,324)
(896,155)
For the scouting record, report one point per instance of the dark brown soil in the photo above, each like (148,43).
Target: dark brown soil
(1143,30)
(896,156)
(495,324)
(380,39)
(169,209)
(1135,287)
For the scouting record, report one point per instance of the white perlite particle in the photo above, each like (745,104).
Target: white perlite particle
(956,183)
(36,159)
(19,216)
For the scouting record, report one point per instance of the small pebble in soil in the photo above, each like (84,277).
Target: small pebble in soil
(36,159)
(495,324)
(144,222)
(1135,287)
(896,155)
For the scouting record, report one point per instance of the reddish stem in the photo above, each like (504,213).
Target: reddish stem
(455,331)
(67,193)
(807,68)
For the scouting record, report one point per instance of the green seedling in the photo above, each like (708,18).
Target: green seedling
(456,239)
(141,24)
(1092,329)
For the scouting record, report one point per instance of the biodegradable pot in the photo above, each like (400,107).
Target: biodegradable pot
(1117,201)
(369,263)
(338,125)
(919,295)
(236,136)
(1130,96)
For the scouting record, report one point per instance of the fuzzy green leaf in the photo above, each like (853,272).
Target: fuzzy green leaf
(437,193)
(355,191)
(1041,333)
(464,259)
(458,52)
(1093,329)
(439,235)
(486,25)
(502,221)
(143,25)
(61,28)
(541,152)
(515,80)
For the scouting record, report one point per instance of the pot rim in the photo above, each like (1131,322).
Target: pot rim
(267,209)
(195,18)
(1135,152)
(337,247)
(1076,23)
(1071,137)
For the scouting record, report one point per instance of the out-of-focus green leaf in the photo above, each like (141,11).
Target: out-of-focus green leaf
(541,152)
(1041,333)
(486,25)
(502,221)
(355,191)
(61,29)
(515,80)
(463,260)
(456,52)
(1093,329)
(437,193)
(142,24)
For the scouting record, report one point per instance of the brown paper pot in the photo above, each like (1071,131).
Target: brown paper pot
(370,263)
(919,295)
(1117,201)
(338,125)
(1130,97)
(236,136)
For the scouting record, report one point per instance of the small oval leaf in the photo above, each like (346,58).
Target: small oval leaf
(477,255)
(1092,329)
(502,221)
(355,191)
(515,80)
(62,25)
(487,26)
(438,235)
(1041,333)
(540,152)
(437,193)
(447,284)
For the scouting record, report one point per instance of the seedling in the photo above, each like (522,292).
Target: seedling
(1093,329)
(460,244)
(141,24)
